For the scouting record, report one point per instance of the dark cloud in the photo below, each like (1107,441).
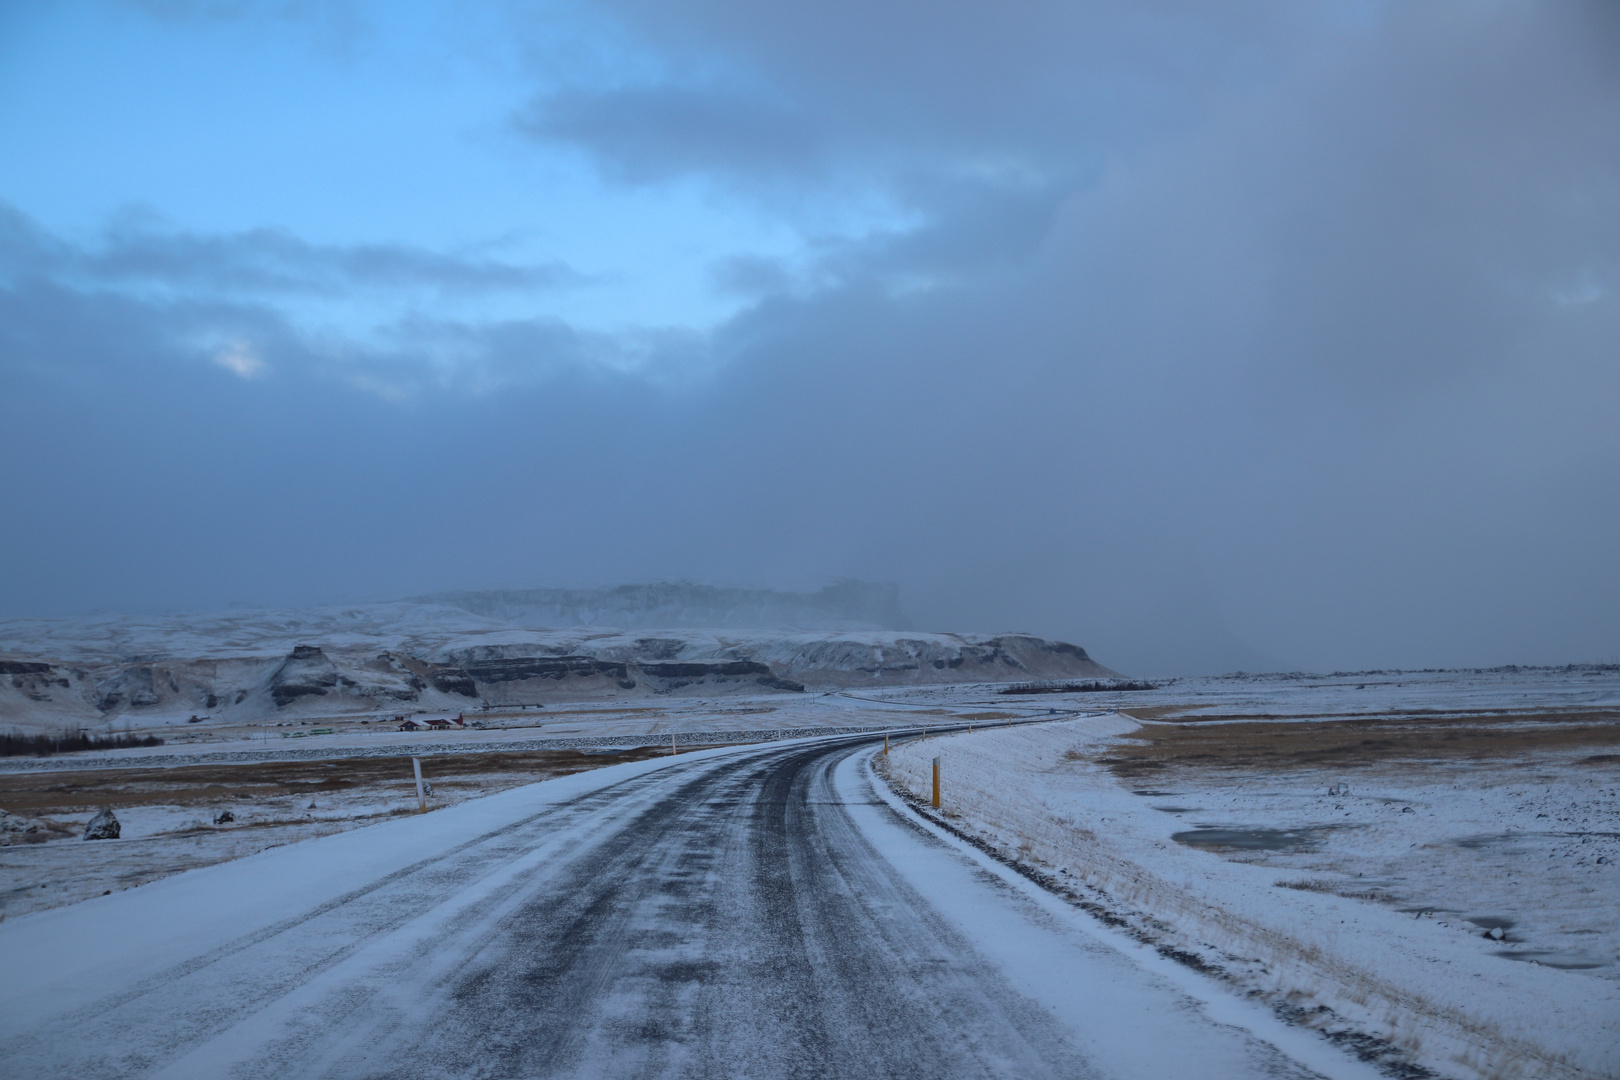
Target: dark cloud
(751,275)
(136,251)
(643,134)
(1210,337)
(928,83)
(954,114)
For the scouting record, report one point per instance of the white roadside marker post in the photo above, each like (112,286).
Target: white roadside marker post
(421,797)
(672,750)
(936,783)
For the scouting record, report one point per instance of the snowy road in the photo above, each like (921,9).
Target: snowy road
(753,913)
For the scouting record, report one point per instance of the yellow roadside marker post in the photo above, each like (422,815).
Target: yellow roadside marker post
(936,783)
(885,744)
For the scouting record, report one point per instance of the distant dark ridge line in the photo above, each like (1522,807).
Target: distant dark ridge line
(1075,687)
(16,744)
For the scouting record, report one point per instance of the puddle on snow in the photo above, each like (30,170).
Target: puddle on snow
(1564,961)
(1484,840)
(1217,838)
(1178,809)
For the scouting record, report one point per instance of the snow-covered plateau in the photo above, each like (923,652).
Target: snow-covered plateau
(1422,864)
(464,652)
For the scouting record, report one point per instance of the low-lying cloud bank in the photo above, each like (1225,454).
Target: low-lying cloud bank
(1260,340)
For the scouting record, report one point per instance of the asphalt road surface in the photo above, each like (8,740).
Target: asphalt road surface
(753,913)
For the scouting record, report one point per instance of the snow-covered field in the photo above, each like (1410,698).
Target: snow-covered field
(1357,693)
(559,725)
(1433,863)
(1426,860)
(285,790)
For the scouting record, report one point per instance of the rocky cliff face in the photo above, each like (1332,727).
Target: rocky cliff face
(561,664)
(529,679)
(396,657)
(851,660)
(34,680)
(49,694)
(305,672)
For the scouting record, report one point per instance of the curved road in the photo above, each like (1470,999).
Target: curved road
(751,913)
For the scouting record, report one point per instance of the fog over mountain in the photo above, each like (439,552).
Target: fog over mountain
(670,605)
(1252,335)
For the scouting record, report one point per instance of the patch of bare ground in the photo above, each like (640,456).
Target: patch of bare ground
(1159,712)
(46,793)
(1249,743)
(174,819)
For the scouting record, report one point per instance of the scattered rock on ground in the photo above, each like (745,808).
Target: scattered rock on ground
(224,817)
(104,826)
(14,829)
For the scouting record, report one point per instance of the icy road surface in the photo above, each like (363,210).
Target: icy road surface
(756,912)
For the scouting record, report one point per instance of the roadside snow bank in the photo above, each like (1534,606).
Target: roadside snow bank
(1340,963)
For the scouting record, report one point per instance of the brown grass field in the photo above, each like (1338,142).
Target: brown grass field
(39,794)
(1255,743)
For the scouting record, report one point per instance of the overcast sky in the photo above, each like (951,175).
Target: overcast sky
(1208,336)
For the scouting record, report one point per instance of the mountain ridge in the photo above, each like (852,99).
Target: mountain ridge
(458,651)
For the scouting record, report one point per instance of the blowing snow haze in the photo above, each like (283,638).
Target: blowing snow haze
(1204,336)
